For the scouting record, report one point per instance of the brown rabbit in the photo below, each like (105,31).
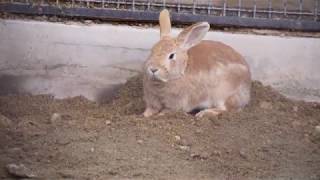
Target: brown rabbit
(187,73)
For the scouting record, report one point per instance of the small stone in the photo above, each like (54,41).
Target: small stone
(40,18)
(201,155)
(260,31)
(194,155)
(185,142)
(113,173)
(66,175)
(178,138)
(217,153)
(69,23)
(184,148)
(87,22)
(92,149)
(19,171)
(108,122)
(199,131)
(53,18)
(4,122)
(137,174)
(243,154)
(265,105)
(140,141)
(204,155)
(55,117)
(15,150)
(296,124)
(317,129)
(63,141)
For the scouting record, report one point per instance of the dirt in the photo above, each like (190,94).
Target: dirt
(273,138)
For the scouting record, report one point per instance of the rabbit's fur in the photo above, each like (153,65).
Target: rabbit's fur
(187,73)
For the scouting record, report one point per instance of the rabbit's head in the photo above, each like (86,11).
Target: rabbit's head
(169,57)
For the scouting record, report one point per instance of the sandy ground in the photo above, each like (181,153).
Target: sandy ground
(75,138)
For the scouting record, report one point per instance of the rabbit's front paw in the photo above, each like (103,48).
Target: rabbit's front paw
(209,112)
(149,112)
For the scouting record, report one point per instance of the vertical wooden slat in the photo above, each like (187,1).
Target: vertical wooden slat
(209,6)
(270,9)
(118,4)
(224,7)
(254,8)
(239,8)
(316,9)
(285,6)
(300,8)
(149,5)
(194,2)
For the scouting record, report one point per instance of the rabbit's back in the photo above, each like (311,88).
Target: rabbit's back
(218,72)
(210,55)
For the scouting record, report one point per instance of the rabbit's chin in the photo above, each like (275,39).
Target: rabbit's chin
(158,78)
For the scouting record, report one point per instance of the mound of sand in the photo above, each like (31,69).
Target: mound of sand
(274,137)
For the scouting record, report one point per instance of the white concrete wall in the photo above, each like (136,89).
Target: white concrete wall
(70,60)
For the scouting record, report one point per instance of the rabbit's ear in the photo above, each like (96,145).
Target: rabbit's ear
(192,35)
(165,24)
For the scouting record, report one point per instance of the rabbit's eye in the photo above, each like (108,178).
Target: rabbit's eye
(172,56)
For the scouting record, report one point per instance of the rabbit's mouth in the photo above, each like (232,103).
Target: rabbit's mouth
(158,78)
(156,74)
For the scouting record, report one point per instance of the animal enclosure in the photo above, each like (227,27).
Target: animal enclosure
(278,14)
(71,93)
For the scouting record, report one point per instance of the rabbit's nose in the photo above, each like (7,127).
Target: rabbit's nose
(153,70)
